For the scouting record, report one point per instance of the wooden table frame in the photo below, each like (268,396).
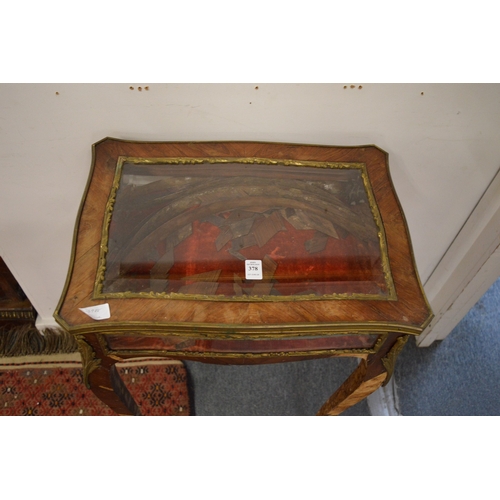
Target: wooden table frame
(243,329)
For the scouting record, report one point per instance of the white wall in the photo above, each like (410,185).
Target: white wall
(444,149)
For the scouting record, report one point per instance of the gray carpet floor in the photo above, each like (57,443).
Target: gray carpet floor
(461,374)
(458,376)
(296,388)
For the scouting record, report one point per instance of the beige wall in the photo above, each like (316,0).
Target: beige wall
(444,149)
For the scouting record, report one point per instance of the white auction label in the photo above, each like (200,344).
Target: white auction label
(97,312)
(253,269)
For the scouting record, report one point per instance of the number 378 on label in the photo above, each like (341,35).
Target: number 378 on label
(253,269)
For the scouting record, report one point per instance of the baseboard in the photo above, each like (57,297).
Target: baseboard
(46,323)
(384,401)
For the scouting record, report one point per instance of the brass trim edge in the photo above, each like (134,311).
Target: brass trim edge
(381,235)
(231,355)
(71,264)
(89,360)
(389,360)
(289,144)
(430,317)
(224,331)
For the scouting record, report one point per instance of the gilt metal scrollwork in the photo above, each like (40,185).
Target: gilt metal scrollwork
(389,360)
(89,359)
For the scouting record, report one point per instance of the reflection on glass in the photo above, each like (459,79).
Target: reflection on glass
(189,229)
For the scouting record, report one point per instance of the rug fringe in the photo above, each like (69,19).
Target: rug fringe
(26,340)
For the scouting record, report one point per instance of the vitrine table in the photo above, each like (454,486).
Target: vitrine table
(240,253)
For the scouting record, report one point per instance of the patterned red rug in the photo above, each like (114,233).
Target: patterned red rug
(57,388)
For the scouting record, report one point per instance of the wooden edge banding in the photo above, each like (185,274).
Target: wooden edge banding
(352,391)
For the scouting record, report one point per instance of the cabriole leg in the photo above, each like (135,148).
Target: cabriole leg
(102,378)
(371,373)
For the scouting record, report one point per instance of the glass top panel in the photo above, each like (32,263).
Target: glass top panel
(242,230)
